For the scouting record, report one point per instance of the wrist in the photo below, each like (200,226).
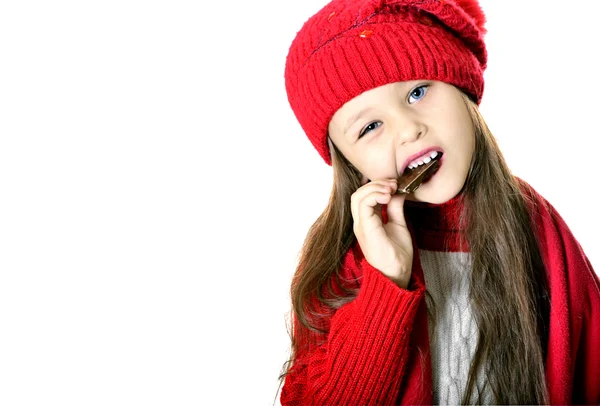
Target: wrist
(402,281)
(398,275)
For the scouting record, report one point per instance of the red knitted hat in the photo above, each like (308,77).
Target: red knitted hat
(351,46)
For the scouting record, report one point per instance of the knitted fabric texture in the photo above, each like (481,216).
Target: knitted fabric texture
(454,339)
(377,350)
(349,47)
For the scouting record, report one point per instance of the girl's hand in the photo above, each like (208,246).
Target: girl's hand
(387,247)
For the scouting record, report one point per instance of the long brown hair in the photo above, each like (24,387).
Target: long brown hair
(508,286)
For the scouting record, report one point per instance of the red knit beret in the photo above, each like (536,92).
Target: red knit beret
(351,46)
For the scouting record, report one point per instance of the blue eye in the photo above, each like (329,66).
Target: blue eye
(369,127)
(419,94)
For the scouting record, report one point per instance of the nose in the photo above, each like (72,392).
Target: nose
(409,129)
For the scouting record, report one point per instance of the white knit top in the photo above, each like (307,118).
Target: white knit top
(454,339)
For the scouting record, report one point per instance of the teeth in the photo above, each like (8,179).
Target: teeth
(426,160)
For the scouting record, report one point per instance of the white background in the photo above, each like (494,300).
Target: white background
(155,187)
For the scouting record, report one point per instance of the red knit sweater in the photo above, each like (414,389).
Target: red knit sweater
(377,348)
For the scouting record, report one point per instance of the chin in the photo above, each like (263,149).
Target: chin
(434,194)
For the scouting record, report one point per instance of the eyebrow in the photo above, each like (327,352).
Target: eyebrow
(353,118)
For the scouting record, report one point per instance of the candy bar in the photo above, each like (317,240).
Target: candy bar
(411,179)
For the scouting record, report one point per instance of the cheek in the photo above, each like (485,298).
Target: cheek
(465,138)
(377,162)
(364,180)
(471,144)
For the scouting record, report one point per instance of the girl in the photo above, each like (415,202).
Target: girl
(470,289)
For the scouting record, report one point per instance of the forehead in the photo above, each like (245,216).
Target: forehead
(372,96)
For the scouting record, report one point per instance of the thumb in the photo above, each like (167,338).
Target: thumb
(395,209)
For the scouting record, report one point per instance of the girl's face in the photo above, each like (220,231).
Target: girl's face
(382,128)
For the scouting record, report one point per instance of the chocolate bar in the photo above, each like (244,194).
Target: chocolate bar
(411,179)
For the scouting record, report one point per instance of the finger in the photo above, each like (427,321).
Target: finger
(395,209)
(376,185)
(363,191)
(368,218)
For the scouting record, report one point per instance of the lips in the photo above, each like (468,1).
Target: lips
(418,155)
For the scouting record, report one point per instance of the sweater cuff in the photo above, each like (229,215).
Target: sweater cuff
(380,292)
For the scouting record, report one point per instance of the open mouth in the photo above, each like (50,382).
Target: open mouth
(414,177)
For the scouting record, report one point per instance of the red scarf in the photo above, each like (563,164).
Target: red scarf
(377,349)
